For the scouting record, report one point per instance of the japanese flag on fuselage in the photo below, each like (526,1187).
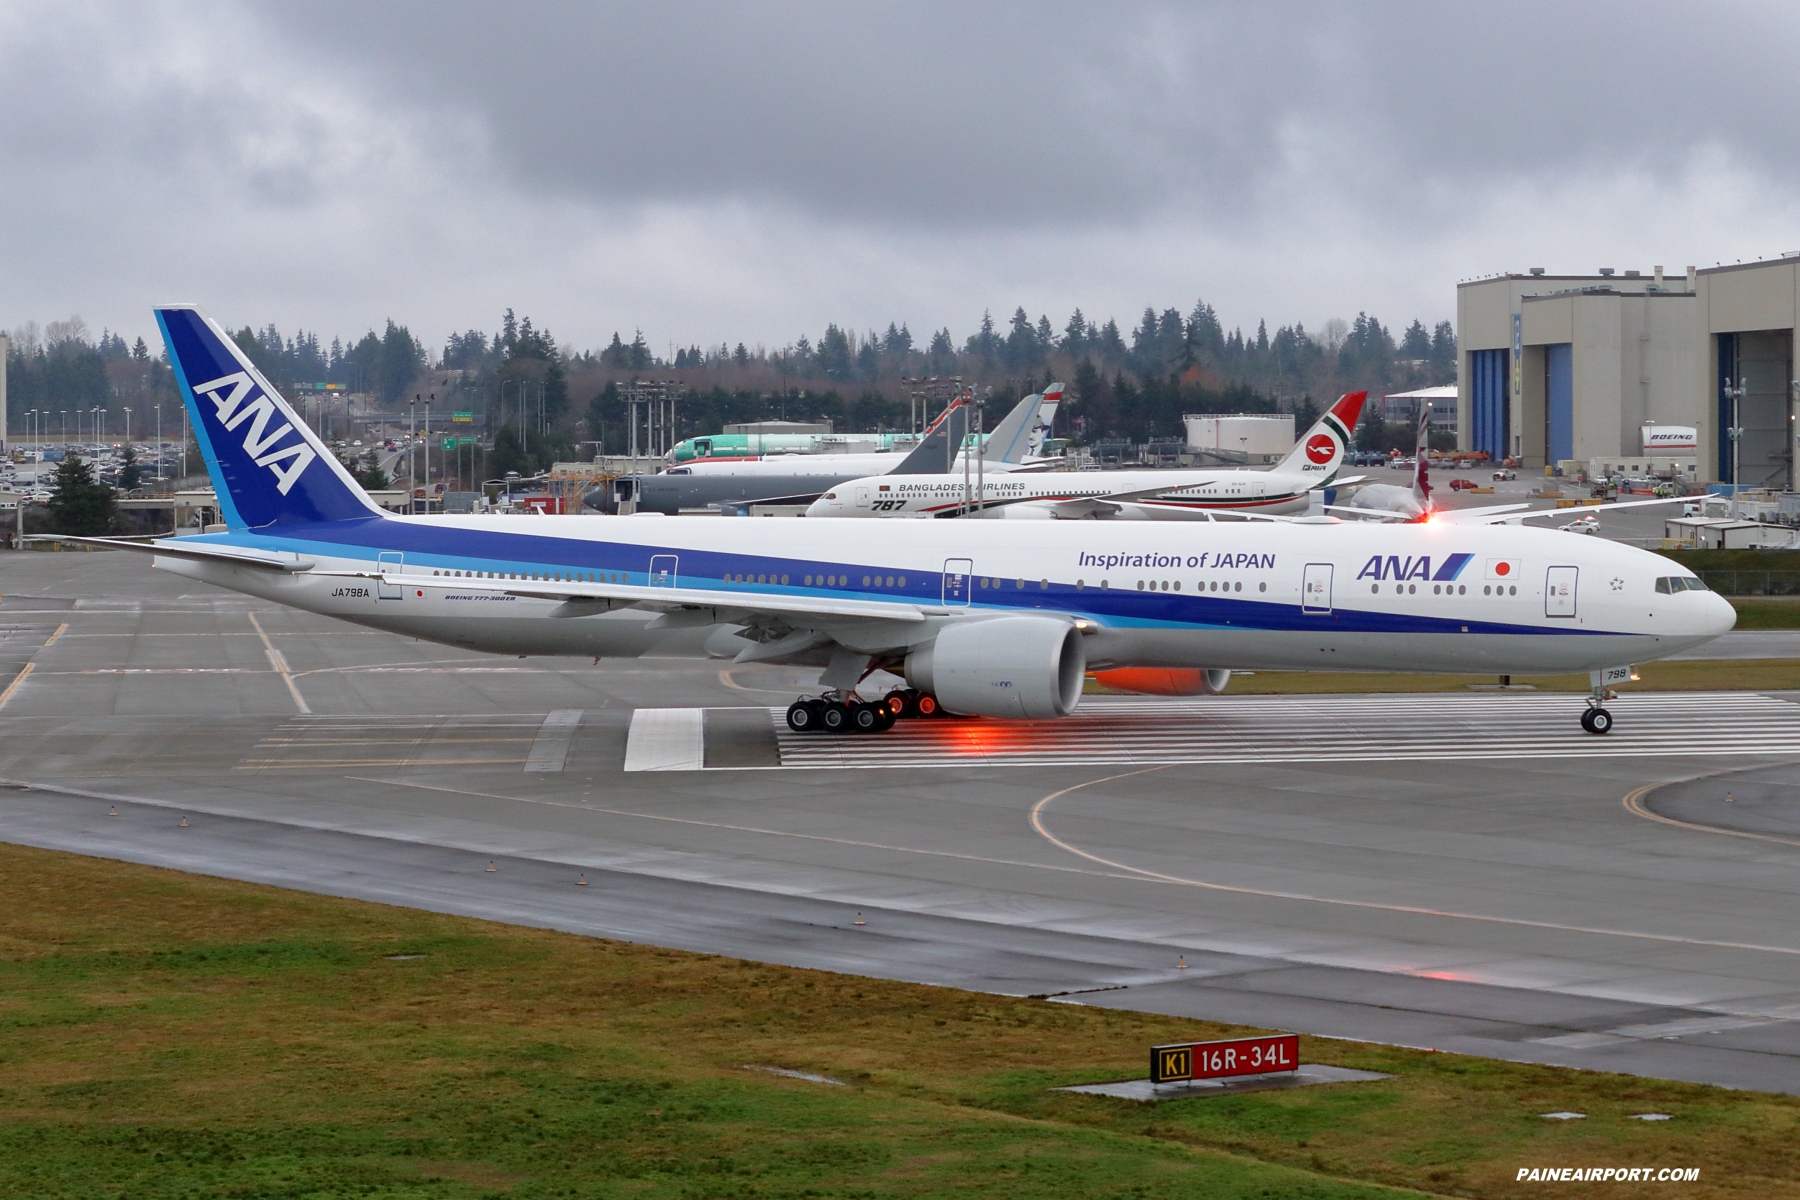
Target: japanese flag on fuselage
(1503,568)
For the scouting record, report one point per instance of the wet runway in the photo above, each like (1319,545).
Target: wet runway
(1467,872)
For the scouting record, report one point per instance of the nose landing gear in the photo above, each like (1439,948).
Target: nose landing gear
(842,712)
(1596,720)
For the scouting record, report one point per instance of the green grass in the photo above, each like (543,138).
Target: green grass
(165,1035)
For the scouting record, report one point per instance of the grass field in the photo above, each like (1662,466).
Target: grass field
(168,1035)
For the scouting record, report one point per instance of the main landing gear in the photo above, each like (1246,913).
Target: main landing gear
(842,712)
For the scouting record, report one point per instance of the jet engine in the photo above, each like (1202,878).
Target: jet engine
(1004,667)
(1165,681)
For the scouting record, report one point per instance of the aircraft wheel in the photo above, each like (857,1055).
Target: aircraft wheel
(803,716)
(835,718)
(868,718)
(889,718)
(898,703)
(927,706)
(1597,720)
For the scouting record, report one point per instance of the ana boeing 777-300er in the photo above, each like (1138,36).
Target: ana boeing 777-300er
(979,618)
(1179,495)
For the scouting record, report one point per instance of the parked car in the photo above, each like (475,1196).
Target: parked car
(1461,485)
(1502,476)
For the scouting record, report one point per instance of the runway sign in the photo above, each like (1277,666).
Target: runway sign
(1220,1060)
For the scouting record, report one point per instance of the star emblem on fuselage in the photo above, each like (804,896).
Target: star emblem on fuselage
(1618,585)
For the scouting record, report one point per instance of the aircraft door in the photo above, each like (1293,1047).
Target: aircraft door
(1315,588)
(388,565)
(956,581)
(1559,592)
(662,570)
(862,497)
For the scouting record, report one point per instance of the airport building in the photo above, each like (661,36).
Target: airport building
(1635,374)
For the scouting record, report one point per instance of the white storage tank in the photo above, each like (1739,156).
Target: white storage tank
(1258,436)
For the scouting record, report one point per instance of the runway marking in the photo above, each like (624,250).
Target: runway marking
(1634,804)
(279,662)
(60,630)
(323,744)
(1037,823)
(1107,731)
(13,687)
(276,764)
(550,749)
(666,739)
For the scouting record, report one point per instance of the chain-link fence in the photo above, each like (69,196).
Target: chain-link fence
(1753,583)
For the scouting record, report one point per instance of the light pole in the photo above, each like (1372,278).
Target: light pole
(1736,431)
(128,427)
(412,454)
(160,448)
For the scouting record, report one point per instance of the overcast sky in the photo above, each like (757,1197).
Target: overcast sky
(714,172)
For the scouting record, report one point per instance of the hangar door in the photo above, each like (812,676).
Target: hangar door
(1559,403)
(1761,362)
(1490,401)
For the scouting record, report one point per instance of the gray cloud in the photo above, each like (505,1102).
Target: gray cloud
(715,171)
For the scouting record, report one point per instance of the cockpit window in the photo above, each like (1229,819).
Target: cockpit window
(1668,585)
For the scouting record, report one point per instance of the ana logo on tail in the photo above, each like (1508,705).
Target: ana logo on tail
(258,441)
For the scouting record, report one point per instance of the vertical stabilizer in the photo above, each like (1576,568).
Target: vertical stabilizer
(266,465)
(1421,473)
(938,449)
(1320,451)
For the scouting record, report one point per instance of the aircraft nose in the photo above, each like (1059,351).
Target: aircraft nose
(1720,615)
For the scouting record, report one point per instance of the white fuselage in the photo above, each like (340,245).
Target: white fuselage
(1432,597)
(1171,494)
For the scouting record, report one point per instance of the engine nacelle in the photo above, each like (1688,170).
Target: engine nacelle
(1004,667)
(1165,681)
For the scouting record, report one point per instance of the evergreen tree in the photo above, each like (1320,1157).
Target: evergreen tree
(637,355)
(1417,343)
(1075,335)
(131,475)
(79,504)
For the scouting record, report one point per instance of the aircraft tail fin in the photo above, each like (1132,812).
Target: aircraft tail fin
(1320,450)
(942,442)
(1010,440)
(1046,416)
(266,465)
(1421,473)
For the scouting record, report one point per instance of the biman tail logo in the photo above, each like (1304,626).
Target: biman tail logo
(1320,448)
(245,405)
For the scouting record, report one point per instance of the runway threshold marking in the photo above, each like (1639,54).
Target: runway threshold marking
(550,749)
(666,739)
(1275,729)
(279,662)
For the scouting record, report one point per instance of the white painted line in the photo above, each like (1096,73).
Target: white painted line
(1275,729)
(551,747)
(666,739)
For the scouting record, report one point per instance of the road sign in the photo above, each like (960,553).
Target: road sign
(1220,1060)
(449,443)
(468,416)
(466,441)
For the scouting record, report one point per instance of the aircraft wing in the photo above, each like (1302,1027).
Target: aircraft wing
(1492,515)
(262,560)
(581,599)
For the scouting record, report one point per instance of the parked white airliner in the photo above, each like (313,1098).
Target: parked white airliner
(1178,495)
(981,618)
